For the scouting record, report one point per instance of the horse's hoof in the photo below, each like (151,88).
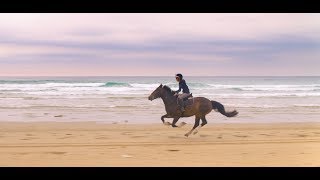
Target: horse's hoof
(195,132)
(173,125)
(186,135)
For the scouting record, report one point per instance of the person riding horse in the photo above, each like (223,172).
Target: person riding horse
(185,91)
(199,108)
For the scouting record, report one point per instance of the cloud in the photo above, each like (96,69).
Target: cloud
(201,44)
(141,27)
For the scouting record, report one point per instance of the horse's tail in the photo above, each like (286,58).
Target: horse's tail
(219,107)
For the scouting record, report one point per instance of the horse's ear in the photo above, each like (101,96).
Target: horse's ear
(160,85)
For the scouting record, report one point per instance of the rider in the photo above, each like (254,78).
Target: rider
(185,90)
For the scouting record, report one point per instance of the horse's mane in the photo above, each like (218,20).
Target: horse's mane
(168,89)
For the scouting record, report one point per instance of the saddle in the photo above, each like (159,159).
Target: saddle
(186,102)
(186,98)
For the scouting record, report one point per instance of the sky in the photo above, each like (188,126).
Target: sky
(159,44)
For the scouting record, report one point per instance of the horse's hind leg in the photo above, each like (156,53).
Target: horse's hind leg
(204,122)
(196,124)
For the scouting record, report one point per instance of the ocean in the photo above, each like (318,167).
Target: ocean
(125,99)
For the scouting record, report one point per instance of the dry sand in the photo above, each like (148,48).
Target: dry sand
(91,144)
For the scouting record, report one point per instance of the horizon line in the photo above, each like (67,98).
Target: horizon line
(166,76)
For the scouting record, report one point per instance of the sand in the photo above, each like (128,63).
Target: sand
(92,144)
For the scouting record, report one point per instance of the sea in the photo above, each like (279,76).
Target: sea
(267,99)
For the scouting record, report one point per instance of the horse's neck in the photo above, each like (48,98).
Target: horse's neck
(168,99)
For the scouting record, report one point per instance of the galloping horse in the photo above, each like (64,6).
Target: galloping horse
(198,107)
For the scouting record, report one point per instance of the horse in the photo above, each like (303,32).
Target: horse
(197,106)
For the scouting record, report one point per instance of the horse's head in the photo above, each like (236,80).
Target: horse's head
(156,93)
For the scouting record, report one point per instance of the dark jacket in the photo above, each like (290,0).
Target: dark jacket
(183,86)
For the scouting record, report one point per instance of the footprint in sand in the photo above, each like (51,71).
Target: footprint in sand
(102,137)
(29,138)
(173,150)
(64,137)
(300,135)
(26,139)
(243,136)
(137,136)
(204,135)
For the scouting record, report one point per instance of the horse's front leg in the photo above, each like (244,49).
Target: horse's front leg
(165,116)
(175,120)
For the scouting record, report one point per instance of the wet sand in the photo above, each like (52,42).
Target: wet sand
(93,144)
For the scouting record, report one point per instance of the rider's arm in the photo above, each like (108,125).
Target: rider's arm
(180,87)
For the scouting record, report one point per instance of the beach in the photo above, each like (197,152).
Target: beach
(157,145)
(109,121)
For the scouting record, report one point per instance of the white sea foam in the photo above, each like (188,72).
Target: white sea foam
(123,98)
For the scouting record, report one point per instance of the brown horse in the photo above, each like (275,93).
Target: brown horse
(198,107)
